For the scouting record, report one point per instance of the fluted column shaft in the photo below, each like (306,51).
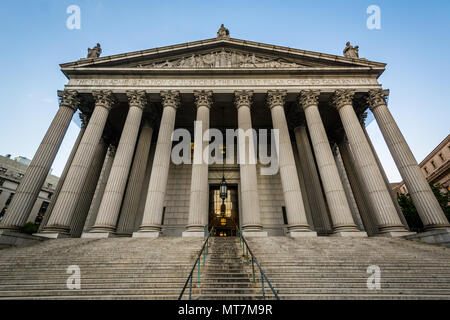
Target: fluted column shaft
(289,179)
(28,189)
(151,221)
(135,181)
(84,120)
(251,212)
(199,197)
(109,210)
(100,188)
(87,193)
(340,213)
(313,189)
(423,198)
(388,221)
(65,205)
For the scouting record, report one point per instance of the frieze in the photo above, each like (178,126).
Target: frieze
(220,82)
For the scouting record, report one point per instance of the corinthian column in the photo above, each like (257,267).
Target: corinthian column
(298,224)
(198,204)
(109,210)
(423,198)
(151,221)
(34,178)
(59,222)
(341,216)
(251,215)
(389,223)
(99,189)
(133,193)
(84,121)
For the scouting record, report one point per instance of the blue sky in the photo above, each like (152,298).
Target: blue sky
(414,41)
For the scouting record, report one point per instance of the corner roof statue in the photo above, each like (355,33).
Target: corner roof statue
(223,32)
(94,52)
(351,51)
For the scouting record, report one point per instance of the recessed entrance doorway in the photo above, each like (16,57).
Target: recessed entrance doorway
(223,219)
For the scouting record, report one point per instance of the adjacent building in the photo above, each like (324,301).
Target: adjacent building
(11,173)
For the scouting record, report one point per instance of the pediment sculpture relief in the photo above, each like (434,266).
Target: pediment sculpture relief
(224,59)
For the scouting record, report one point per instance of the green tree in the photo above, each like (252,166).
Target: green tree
(410,212)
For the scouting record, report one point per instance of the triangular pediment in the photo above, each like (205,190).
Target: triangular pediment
(221,54)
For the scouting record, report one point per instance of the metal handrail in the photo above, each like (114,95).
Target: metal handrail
(245,247)
(204,251)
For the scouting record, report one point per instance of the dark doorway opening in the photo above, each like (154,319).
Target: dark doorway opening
(223,219)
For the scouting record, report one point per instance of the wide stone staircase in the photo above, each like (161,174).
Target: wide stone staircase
(116,268)
(225,276)
(306,268)
(336,268)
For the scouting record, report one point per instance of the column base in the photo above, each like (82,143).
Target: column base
(395,234)
(255,234)
(302,234)
(193,234)
(98,235)
(151,234)
(440,237)
(52,235)
(10,238)
(358,234)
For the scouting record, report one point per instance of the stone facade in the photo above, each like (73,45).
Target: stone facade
(328,182)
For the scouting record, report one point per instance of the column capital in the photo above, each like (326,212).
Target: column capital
(170,98)
(308,98)
(376,98)
(276,98)
(137,98)
(69,99)
(203,98)
(342,97)
(243,98)
(104,98)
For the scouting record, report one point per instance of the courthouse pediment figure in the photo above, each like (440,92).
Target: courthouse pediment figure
(223,32)
(351,51)
(94,52)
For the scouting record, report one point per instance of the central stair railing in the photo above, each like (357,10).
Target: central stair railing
(245,253)
(197,263)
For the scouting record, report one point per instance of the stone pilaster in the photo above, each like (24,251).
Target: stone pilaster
(31,184)
(298,224)
(313,187)
(341,216)
(100,188)
(423,198)
(251,213)
(84,121)
(151,221)
(199,197)
(87,193)
(133,193)
(389,223)
(59,222)
(109,210)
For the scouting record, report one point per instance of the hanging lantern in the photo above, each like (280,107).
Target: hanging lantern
(223,189)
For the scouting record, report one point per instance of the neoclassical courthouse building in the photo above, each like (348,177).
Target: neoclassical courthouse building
(119,179)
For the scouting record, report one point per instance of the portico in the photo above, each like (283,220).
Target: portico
(133,102)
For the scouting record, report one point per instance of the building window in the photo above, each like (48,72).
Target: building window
(285,220)
(433,164)
(441,156)
(163,215)
(41,212)
(9,199)
(426,170)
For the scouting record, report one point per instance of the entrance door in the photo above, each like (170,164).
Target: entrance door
(224,220)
